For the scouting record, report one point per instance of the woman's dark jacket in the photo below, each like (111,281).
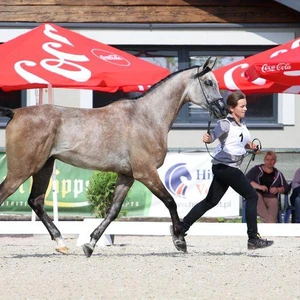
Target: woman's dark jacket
(256,172)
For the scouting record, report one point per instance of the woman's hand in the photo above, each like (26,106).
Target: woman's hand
(253,147)
(263,188)
(274,190)
(260,187)
(206,138)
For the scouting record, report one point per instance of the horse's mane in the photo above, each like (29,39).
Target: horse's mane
(161,82)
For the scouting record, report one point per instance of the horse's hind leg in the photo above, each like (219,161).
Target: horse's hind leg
(36,202)
(9,185)
(123,185)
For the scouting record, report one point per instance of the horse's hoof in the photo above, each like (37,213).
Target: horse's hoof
(180,245)
(87,249)
(178,241)
(62,249)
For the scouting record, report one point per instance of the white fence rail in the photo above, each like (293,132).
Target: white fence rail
(84,228)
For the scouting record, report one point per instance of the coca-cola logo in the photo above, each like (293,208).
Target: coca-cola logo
(59,62)
(110,57)
(267,68)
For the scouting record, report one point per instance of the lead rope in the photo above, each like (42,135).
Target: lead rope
(257,147)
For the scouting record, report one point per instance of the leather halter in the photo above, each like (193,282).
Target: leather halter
(213,104)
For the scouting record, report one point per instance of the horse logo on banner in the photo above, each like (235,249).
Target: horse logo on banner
(176,179)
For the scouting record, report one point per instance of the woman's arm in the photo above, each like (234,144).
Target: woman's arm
(221,128)
(281,187)
(296,179)
(258,186)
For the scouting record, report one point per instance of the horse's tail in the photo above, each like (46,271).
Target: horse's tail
(6,112)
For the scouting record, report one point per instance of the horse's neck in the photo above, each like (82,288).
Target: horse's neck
(165,101)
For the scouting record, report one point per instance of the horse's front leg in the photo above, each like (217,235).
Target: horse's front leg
(36,202)
(123,185)
(154,184)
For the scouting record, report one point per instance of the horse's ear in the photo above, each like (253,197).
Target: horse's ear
(214,63)
(206,63)
(206,68)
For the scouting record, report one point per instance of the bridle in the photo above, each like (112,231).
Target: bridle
(212,104)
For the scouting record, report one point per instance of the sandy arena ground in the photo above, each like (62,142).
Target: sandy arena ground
(149,267)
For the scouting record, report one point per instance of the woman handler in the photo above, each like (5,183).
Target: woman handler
(233,137)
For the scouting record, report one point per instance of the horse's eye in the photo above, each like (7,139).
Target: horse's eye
(208,82)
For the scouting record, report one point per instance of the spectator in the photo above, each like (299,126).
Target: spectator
(295,197)
(268,183)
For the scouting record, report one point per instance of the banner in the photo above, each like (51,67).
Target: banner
(187,177)
(71,186)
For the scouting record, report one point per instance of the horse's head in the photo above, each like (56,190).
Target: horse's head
(210,99)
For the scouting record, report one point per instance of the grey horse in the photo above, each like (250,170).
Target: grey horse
(128,137)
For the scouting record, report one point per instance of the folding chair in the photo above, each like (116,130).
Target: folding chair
(287,209)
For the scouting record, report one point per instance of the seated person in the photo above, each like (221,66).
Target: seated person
(295,197)
(268,182)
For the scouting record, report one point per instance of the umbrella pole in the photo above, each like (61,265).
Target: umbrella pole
(40,97)
(39,101)
(54,190)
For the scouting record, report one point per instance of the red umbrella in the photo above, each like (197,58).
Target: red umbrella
(282,65)
(53,55)
(276,70)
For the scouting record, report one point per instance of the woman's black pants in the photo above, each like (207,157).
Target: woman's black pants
(225,177)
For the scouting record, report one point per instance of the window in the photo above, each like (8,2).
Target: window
(12,99)
(262,109)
